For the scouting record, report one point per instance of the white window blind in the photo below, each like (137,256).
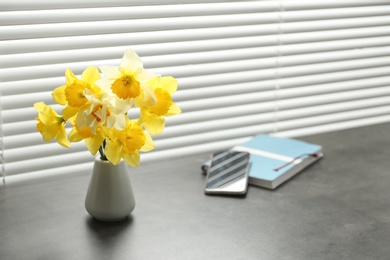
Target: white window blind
(2,163)
(292,67)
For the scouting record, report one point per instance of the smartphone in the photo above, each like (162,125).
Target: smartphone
(228,173)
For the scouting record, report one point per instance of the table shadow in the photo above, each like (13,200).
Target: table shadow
(104,227)
(106,238)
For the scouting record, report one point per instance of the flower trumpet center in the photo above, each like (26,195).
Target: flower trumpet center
(126,87)
(164,101)
(133,139)
(74,93)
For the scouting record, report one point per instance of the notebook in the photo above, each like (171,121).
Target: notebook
(274,160)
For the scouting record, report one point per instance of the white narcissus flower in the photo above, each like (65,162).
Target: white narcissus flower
(129,81)
(108,111)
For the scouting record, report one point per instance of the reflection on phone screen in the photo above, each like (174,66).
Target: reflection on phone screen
(228,172)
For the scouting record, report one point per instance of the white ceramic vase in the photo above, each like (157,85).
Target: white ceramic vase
(109,196)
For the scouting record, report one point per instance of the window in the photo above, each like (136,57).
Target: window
(244,67)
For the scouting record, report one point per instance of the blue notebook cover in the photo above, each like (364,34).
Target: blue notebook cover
(275,159)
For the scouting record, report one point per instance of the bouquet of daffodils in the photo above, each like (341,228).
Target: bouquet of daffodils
(97,109)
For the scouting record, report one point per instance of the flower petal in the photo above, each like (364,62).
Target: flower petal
(173,110)
(123,105)
(75,136)
(131,61)
(40,125)
(146,98)
(93,143)
(48,116)
(113,152)
(169,84)
(131,159)
(110,72)
(50,132)
(80,120)
(149,144)
(143,75)
(110,121)
(120,122)
(39,106)
(59,95)
(69,112)
(105,85)
(90,74)
(69,76)
(154,124)
(62,138)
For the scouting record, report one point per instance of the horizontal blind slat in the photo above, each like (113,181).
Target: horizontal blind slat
(295,27)
(333,13)
(133,12)
(264,22)
(266,26)
(144,50)
(309,4)
(350,33)
(215,36)
(10,5)
(167,11)
(332,118)
(330,127)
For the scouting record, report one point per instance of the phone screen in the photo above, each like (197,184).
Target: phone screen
(228,173)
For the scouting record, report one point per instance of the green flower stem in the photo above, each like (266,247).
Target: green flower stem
(101,151)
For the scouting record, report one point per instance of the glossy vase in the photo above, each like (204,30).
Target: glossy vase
(109,196)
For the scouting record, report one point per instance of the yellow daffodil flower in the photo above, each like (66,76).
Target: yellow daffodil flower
(129,81)
(72,93)
(127,143)
(50,124)
(152,117)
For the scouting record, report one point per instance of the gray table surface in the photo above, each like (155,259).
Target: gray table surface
(338,208)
